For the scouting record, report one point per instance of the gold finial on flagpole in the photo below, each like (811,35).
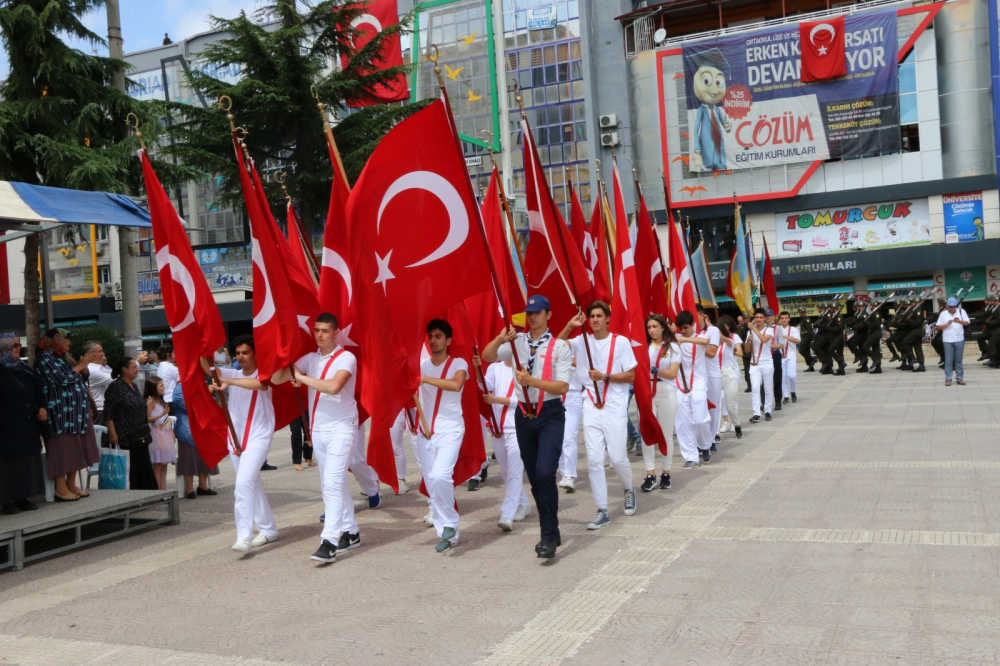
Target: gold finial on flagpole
(134,124)
(279,177)
(517,96)
(225,103)
(434,59)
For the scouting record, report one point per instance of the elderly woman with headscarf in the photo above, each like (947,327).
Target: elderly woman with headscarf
(72,445)
(22,474)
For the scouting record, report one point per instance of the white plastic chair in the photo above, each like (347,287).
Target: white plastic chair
(94,470)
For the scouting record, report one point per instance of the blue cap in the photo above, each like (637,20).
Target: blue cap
(769,312)
(537,303)
(952,302)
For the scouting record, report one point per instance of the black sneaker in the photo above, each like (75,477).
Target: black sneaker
(718,438)
(706,455)
(795,398)
(712,448)
(739,432)
(785,401)
(484,474)
(327,553)
(753,419)
(767,417)
(777,407)
(664,481)
(267,467)
(473,485)
(649,484)
(206,491)
(349,541)
(747,390)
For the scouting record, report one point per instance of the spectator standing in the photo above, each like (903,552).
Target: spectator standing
(98,376)
(22,474)
(952,323)
(189,460)
(125,414)
(72,445)
(163,448)
(167,371)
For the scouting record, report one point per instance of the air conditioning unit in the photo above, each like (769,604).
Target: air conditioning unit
(106,290)
(118,286)
(118,305)
(102,248)
(609,139)
(609,120)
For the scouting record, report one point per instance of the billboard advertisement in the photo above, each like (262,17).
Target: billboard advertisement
(963,217)
(865,226)
(748,107)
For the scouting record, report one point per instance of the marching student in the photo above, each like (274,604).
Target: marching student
(502,400)
(777,356)
(546,367)
(605,425)
(664,361)
(398,452)
(252,410)
(573,402)
(732,348)
(761,366)
(441,380)
(330,374)
(713,369)
(789,373)
(692,422)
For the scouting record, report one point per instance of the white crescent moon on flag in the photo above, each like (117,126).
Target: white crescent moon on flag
(822,27)
(458,216)
(179,274)
(548,271)
(267,309)
(628,261)
(335,262)
(366,19)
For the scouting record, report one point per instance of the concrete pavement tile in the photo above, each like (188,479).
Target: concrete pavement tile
(838,658)
(779,612)
(793,635)
(711,630)
(877,641)
(961,622)
(883,617)
(769,655)
(952,648)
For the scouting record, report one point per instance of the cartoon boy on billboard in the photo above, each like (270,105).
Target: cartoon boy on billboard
(708,149)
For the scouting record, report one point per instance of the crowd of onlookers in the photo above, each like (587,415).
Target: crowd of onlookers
(54,405)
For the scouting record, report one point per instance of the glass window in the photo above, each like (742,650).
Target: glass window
(575,50)
(562,52)
(553,115)
(524,79)
(550,74)
(550,55)
(543,154)
(581,131)
(907,109)
(582,152)
(538,96)
(576,70)
(537,77)
(566,112)
(563,70)
(542,135)
(556,155)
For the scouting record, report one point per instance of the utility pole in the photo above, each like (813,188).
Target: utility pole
(131,323)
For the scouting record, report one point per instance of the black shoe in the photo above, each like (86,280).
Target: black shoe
(767,417)
(8,509)
(546,549)
(840,372)
(558,542)
(25,505)
(747,390)
(664,481)
(920,368)
(649,483)
(483,475)
(863,368)
(739,432)
(473,485)
(267,468)
(785,401)
(753,419)
(712,448)
(349,541)
(718,438)
(894,358)
(327,553)
(810,369)
(191,496)
(826,370)
(993,364)
(706,455)
(777,407)
(982,358)
(877,370)
(206,491)
(795,398)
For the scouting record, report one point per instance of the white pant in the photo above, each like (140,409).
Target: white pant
(333,451)
(251,502)
(665,410)
(605,429)
(788,376)
(762,376)
(692,423)
(396,435)
(731,394)
(715,397)
(571,434)
(512,469)
(366,476)
(438,457)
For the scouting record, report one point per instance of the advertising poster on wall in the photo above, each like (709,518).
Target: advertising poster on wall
(963,217)
(966,279)
(866,226)
(748,107)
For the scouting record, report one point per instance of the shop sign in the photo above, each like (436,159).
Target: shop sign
(965,279)
(905,284)
(884,224)
(812,305)
(963,217)
(993,280)
(541,18)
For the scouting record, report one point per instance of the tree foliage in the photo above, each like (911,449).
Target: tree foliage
(285,50)
(110,339)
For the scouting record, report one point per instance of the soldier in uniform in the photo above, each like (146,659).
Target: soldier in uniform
(992,332)
(821,343)
(853,321)
(979,320)
(901,328)
(871,336)
(805,340)
(914,340)
(836,347)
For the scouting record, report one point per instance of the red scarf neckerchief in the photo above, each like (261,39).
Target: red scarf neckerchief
(437,400)
(611,360)
(322,376)
(756,359)
(503,412)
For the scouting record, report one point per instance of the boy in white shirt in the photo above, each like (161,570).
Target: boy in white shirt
(441,380)
(713,370)
(761,366)
(789,352)
(573,402)
(692,422)
(605,415)
(502,398)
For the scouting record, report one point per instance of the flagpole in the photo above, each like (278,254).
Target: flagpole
(298,222)
(602,194)
(328,131)
(736,225)
(501,297)
(656,236)
(503,202)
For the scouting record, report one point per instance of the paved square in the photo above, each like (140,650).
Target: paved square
(860,527)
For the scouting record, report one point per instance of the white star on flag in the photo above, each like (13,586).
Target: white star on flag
(384,274)
(345,337)
(822,50)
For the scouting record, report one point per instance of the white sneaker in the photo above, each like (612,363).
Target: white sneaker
(562,482)
(243,546)
(506,524)
(522,512)
(429,519)
(568,484)
(262,540)
(725,427)
(402,487)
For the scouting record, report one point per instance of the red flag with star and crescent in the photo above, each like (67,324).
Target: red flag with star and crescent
(627,320)
(415,253)
(648,267)
(823,55)
(680,291)
(193,317)
(584,242)
(377,16)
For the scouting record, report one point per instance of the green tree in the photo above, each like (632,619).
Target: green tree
(284,50)
(62,123)
(110,339)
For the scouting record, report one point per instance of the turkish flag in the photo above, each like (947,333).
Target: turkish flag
(584,242)
(301,248)
(679,288)
(193,318)
(597,254)
(472,453)
(553,266)
(627,320)
(374,17)
(415,253)
(648,266)
(822,49)
(767,282)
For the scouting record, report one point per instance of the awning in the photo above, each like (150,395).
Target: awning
(818,291)
(26,209)
(902,284)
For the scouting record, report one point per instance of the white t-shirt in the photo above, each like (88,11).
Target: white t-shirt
(955,332)
(500,382)
(616,396)
(169,374)
(693,372)
(327,411)
(449,414)
(729,355)
(672,356)
(761,354)
(261,421)
(100,379)
(791,348)
(714,339)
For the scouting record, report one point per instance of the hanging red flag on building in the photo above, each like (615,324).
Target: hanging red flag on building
(193,318)
(378,15)
(823,54)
